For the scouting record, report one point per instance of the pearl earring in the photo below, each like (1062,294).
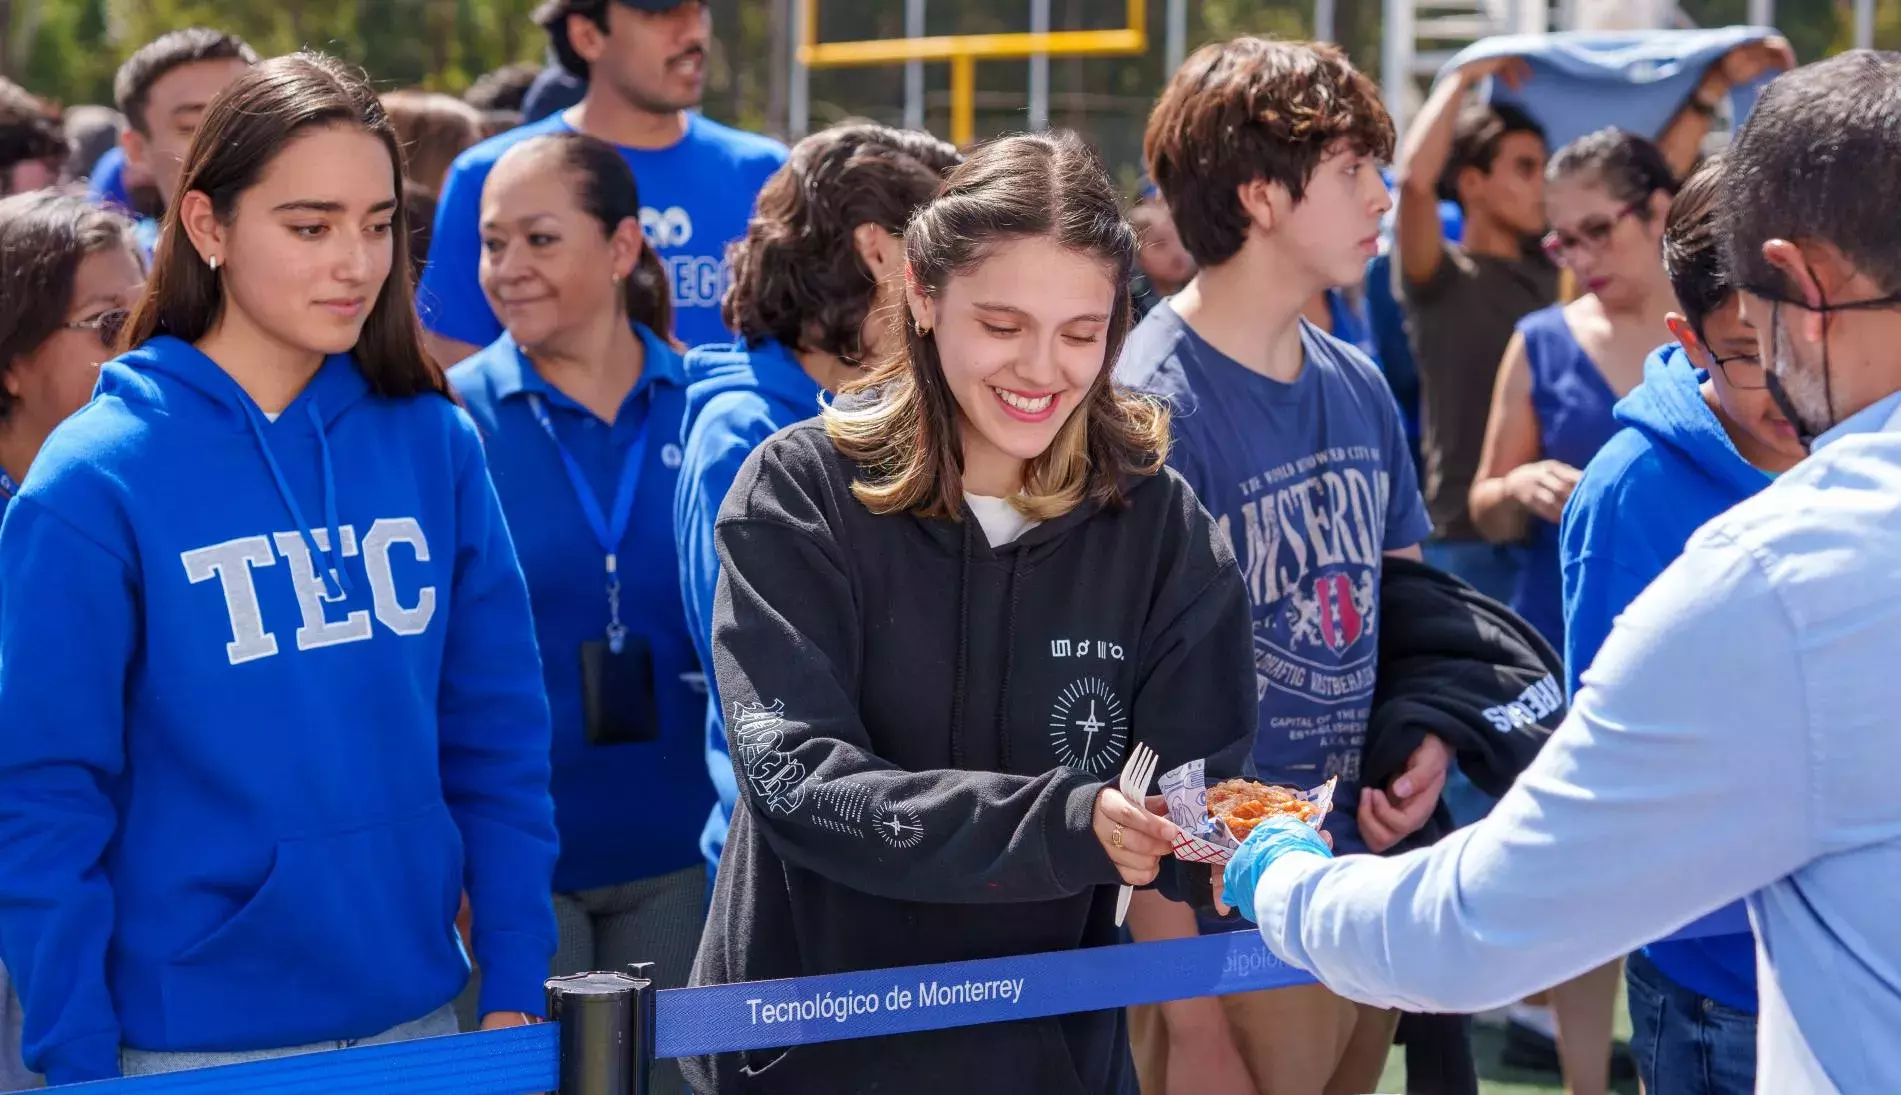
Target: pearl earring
(213,263)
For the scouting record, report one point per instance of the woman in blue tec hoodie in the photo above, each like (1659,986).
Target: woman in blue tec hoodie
(814,280)
(579,404)
(1701,435)
(269,697)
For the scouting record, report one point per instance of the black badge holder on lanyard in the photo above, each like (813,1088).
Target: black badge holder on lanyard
(617,694)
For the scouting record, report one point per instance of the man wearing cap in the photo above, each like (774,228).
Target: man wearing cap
(645,66)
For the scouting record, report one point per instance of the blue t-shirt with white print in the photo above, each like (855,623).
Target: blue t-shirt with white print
(695,197)
(1312,482)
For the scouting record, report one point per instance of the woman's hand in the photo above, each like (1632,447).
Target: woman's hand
(1543,487)
(1389,816)
(1135,839)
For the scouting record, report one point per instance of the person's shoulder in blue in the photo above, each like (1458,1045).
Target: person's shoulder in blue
(1699,436)
(814,279)
(738,395)
(697,186)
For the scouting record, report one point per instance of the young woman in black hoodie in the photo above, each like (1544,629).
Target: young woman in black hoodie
(950,606)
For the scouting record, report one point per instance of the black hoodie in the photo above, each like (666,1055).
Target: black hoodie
(1457,664)
(920,725)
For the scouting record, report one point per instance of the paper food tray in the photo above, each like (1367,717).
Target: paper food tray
(1204,839)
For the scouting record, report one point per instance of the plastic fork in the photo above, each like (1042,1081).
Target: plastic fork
(1136,777)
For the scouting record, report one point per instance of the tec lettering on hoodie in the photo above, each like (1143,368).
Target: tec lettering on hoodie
(233,564)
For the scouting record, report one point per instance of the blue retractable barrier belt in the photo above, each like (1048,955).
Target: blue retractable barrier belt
(792,1012)
(802,1010)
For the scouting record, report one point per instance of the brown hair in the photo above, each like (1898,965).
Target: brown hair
(132,86)
(253,120)
(797,278)
(44,236)
(1248,109)
(1693,246)
(605,190)
(433,129)
(901,423)
(30,129)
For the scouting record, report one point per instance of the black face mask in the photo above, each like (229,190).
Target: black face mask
(1805,431)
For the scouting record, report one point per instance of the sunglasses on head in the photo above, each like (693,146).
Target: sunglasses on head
(1593,234)
(107,326)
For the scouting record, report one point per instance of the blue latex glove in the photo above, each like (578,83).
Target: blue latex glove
(1270,840)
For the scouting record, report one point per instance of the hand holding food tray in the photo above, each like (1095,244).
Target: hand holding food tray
(1214,821)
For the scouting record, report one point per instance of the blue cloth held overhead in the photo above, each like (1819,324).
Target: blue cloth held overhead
(1583,81)
(269,705)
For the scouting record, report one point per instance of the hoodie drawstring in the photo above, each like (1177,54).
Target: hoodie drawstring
(1009,650)
(963,641)
(336,582)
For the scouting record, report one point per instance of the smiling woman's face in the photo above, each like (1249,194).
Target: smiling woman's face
(547,267)
(1022,339)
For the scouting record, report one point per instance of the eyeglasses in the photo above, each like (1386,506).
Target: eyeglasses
(1593,234)
(1740,371)
(107,326)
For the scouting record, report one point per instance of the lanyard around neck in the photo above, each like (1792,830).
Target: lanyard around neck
(609,528)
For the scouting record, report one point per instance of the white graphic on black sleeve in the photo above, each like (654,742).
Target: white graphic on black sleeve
(899,828)
(776,777)
(1088,727)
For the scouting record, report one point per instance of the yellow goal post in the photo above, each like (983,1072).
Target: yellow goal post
(963,51)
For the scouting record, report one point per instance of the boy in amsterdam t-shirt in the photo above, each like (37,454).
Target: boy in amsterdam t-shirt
(1294,443)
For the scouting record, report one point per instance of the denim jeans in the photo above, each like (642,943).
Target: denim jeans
(1492,569)
(1686,1044)
(139,1062)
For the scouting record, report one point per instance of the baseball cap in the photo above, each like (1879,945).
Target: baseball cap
(552,16)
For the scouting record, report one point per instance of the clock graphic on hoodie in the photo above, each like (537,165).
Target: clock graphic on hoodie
(1088,727)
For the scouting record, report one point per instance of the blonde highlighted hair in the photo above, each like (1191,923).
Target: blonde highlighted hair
(900,423)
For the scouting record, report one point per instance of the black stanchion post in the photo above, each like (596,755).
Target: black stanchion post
(644,1031)
(596,1013)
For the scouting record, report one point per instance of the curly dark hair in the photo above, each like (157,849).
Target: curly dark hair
(796,276)
(1254,108)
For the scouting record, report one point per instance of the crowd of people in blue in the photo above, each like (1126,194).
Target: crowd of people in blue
(450,543)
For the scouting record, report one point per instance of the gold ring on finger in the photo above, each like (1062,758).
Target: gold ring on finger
(1115,837)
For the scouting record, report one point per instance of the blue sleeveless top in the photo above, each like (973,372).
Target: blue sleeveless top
(1573,402)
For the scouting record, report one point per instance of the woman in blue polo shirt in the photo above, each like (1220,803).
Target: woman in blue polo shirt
(580,403)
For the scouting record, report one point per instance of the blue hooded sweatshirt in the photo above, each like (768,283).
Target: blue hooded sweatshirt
(738,395)
(269,704)
(626,810)
(1667,473)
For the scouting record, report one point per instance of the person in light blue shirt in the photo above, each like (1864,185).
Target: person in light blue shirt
(815,280)
(269,696)
(1734,736)
(1700,435)
(579,403)
(645,63)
